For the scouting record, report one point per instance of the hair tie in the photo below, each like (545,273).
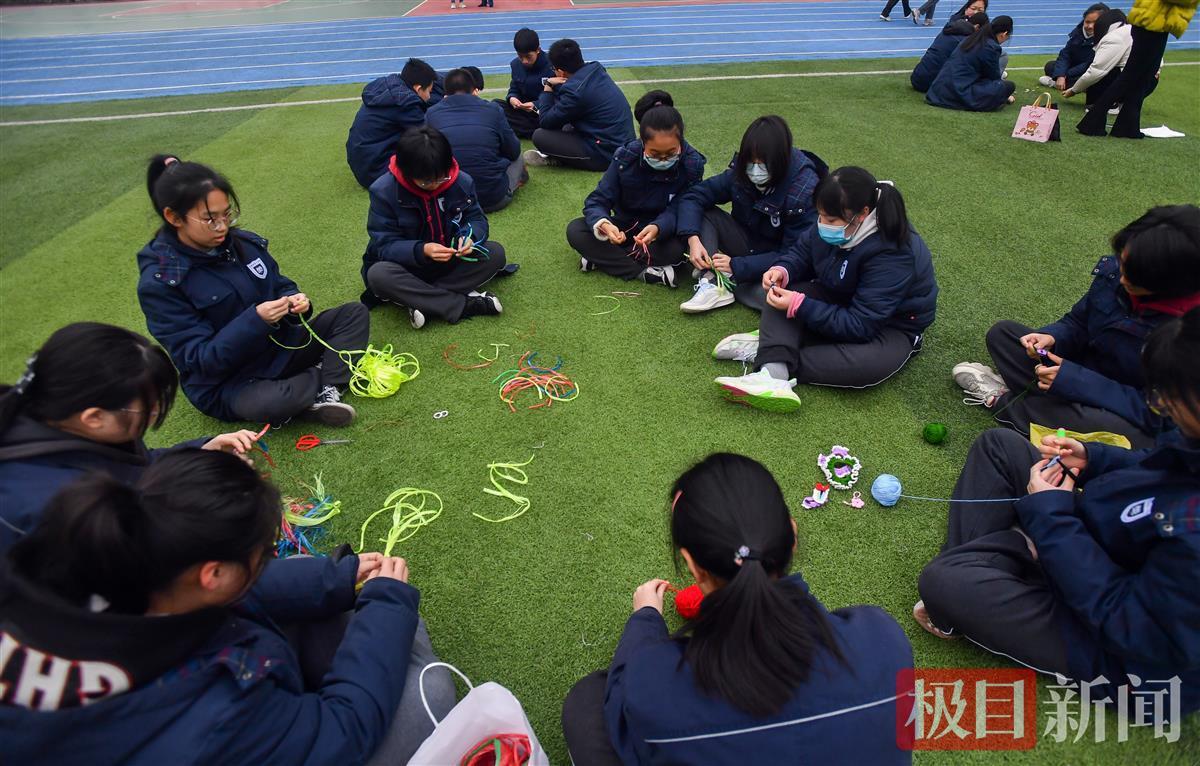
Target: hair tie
(169,161)
(744,554)
(22,384)
(675,500)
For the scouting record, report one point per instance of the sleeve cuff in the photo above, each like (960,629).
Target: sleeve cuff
(797,299)
(596,229)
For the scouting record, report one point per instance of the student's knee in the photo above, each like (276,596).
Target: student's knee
(496,256)
(275,401)
(540,138)
(379,277)
(1049,68)
(1003,334)
(578,234)
(938,586)
(586,695)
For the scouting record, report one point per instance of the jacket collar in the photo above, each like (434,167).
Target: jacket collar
(27,438)
(1175,307)
(1174,450)
(417,190)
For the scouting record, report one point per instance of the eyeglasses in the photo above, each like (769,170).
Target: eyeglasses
(432,184)
(217,222)
(1156,402)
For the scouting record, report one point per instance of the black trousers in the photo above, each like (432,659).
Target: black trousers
(720,233)
(1043,407)
(310,369)
(986,584)
(816,360)
(1130,89)
(516,175)
(522,122)
(583,723)
(444,298)
(571,149)
(887,9)
(615,259)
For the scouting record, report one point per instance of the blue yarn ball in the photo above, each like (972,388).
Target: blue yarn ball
(886,489)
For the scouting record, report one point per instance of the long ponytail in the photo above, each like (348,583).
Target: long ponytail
(846,191)
(757,636)
(989,31)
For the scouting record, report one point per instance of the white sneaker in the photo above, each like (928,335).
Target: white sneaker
(585,265)
(980,383)
(1114,111)
(761,391)
(707,297)
(1046,81)
(742,347)
(659,275)
(1004,75)
(416,319)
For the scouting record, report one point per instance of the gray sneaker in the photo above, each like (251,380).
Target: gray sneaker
(980,384)
(329,409)
(535,159)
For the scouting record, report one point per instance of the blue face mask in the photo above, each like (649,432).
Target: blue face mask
(666,164)
(834,235)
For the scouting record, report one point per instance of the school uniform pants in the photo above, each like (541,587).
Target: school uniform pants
(986,584)
(309,369)
(1130,89)
(816,360)
(928,8)
(616,260)
(720,233)
(1017,410)
(571,149)
(516,175)
(444,297)
(887,9)
(583,723)
(522,122)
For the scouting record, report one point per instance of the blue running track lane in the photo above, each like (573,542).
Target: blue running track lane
(146,64)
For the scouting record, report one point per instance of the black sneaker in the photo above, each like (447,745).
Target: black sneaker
(482,305)
(330,410)
(659,275)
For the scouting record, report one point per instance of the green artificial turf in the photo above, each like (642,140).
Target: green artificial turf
(538,602)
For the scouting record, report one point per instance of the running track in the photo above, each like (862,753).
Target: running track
(146,64)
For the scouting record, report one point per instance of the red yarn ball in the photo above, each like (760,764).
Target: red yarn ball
(687,602)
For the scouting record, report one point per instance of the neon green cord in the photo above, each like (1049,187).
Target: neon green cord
(407,516)
(507,472)
(377,375)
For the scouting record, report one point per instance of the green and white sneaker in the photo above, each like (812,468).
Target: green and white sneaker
(742,347)
(760,391)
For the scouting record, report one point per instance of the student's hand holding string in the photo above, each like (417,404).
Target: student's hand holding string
(467,246)
(1047,373)
(528,106)
(299,303)
(722,263)
(235,442)
(1070,452)
(437,252)
(1068,93)
(1036,340)
(612,233)
(516,103)
(646,236)
(778,298)
(1044,477)
(391,567)
(650,594)
(697,254)
(368,563)
(774,276)
(272,311)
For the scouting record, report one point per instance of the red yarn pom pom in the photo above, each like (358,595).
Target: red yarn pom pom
(687,602)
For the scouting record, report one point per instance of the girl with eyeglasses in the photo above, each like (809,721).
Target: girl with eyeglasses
(1082,372)
(215,298)
(1091,573)
(84,404)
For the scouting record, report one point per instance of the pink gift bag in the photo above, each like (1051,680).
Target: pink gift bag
(1037,122)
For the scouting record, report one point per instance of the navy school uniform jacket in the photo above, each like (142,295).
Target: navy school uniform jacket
(1122,557)
(632,194)
(201,307)
(594,105)
(1100,340)
(483,142)
(404,217)
(935,57)
(526,84)
(656,714)
(878,284)
(971,80)
(772,220)
(37,460)
(220,685)
(389,107)
(1076,56)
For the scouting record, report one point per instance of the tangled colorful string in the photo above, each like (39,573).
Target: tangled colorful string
(487,362)
(377,375)
(300,527)
(550,384)
(477,252)
(515,473)
(409,514)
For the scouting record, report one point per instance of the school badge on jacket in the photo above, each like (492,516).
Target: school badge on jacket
(257,268)
(1139,510)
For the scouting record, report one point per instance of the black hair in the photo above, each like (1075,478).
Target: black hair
(526,41)
(978,19)
(846,191)
(88,364)
(124,543)
(758,635)
(660,119)
(1094,8)
(1169,360)
(423,154)
(961,13)
(649,101)
(418,74)
(770,140)
(565,55)
(1107,20)
(459,81)
(476,76)
(180,186)
(1160,251)
(988,31)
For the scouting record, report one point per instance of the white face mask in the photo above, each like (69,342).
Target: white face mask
(757,173)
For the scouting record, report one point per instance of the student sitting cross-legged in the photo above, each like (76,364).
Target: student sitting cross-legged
(429,251)
(390,105)
(482,141)
(765,674)
(529,69)
(1096,585)
(141,626)
(583,116)
(1082,372)
(628,224)
(974,79)
(938,53)
(846,306)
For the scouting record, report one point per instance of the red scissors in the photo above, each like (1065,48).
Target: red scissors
(309,441)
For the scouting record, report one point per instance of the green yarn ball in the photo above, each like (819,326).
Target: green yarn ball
(934,433)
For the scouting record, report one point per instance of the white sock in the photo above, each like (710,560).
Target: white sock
(777,370)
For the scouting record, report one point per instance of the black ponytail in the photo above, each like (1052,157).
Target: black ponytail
(1169,361)
(180,186)
(757,636)
(989,31)
(89,364)
(650,100)
(100,537)
(846,191)
(1107,20)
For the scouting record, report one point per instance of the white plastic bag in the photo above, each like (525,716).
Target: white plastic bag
(487,710)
